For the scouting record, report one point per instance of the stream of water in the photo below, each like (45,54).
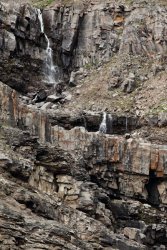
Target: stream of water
(103,125)
(49,65)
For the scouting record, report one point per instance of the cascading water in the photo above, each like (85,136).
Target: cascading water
(103,125)
(126,128)
(40,20)
(49,66)
(49,63)
(110,123)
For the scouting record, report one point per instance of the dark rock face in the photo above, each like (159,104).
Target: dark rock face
(156,233)
(55,202)
(22,47)
(91,122)
(81,37)
(139,42)
(84,35)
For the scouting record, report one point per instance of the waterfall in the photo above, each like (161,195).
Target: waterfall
(49,66)
(40,18)
(126,128)
(49,62)
(103,125)
(110,122)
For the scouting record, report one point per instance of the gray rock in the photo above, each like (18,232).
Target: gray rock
(9,41)
(68,97)
(40,96)
(162,119)
(115,79)
(136,39)
(47,105)
(131,233)
(54,98)
(129,83)
(72,82)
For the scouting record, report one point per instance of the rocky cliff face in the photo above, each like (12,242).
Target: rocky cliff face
(65,183)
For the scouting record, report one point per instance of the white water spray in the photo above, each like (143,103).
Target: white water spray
(40,18)
(126,129)
(49,66)
(110,122)
(103,125)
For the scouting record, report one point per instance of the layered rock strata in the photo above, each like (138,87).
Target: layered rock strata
(63,184)
(81,36)
(87,172)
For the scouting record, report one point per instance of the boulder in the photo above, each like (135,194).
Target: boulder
(131,233)
(54,98)
(129,83)
(162,119)
(72,82)
(115,79)
(47,105)
(40,96)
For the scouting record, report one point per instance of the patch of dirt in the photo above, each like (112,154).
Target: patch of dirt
(149,97)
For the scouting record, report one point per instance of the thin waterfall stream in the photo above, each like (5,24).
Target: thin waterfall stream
(49,65)
(103,125)
(110,122)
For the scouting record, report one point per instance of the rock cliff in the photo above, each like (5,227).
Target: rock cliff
(83,159)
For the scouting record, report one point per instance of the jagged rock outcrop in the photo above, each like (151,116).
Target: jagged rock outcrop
(22,47)
(81,36)
(130,156)
(87,175)
(23,44)
(145,37)
(86,34)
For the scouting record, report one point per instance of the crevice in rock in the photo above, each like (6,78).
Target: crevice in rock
(152,189)
(20,241)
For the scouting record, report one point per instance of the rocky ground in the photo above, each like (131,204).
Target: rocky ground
(64,184)
(73,189)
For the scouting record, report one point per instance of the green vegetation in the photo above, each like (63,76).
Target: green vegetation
(88,66)
(130,2)
(45,3)
(162,107)
(42,3)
